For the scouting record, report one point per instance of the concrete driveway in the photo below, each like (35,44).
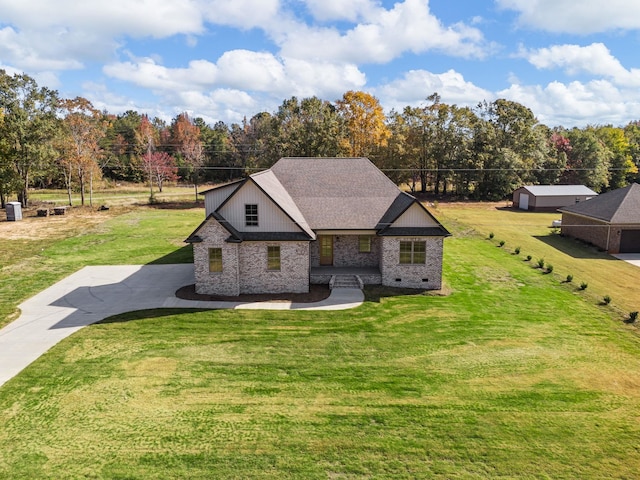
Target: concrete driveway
(95,293)
(632,258)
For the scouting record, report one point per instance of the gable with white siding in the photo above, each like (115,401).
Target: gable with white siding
(216,196)
(415,216)
(271,218)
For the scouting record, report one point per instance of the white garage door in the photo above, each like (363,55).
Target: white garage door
(524,202)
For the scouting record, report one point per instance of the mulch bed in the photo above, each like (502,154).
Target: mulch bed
(316,293)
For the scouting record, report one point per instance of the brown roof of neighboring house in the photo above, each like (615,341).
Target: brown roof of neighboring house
(621,206)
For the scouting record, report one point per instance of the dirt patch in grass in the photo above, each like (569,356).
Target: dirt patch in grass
(32,227)
(316,293)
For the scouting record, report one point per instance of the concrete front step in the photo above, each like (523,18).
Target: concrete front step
(345,281)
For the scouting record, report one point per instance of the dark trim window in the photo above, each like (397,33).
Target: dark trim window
(215,260)
(251,215)
(273,257)
(413,253)
(364,244)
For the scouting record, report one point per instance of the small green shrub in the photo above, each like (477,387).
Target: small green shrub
(491,235)
(584,285)
(549,268)
(606,300)
(541,263)
(502,242)
(528,258)
(517,250)
(569,278)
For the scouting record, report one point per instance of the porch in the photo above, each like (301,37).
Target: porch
(322,275)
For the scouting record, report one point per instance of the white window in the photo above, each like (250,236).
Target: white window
(251,215)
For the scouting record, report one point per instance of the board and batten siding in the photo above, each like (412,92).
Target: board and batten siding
(214,198)
(414,216)
(270,217)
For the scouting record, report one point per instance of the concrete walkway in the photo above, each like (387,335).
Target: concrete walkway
(95,293)
(632,258)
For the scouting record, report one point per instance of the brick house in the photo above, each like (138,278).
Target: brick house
(315,221)
(610,221)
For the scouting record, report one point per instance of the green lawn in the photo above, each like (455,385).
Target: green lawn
(603,273)
(512,374)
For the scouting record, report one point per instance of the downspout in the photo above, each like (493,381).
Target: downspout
(608,238)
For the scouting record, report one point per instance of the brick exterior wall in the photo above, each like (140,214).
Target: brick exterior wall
(427,276)
(216,283)
(244,265)
(346,252)
(591,231)
(293,276)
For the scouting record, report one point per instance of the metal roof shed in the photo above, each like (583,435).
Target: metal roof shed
(548,198)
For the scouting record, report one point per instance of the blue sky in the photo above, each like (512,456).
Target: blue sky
(573,63)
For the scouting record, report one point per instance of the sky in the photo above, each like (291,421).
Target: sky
(573,63)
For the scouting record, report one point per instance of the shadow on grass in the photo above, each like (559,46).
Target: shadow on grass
(573,247)
(375,293)
(148,314)
(173,204)
(181,255)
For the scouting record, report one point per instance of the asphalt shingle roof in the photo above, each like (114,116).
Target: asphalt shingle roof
(621,206)
(337,193)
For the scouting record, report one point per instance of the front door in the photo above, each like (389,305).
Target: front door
(326,249)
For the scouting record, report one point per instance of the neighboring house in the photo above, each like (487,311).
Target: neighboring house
(315,221)
(610,221)
(548,198)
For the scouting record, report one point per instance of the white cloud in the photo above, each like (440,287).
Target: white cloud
(242,70)
(595,59)
(408,26)
(416,85)
(240,81)
(155,18)
(577,103)
(583,17)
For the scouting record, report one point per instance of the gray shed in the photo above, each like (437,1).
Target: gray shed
(548,198)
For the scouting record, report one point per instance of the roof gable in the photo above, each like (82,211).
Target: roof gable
(407,216)
(260,188)
(617,206)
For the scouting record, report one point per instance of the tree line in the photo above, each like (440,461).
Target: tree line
(483,153)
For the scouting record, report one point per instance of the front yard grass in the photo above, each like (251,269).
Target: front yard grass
(511,374)
(531,231)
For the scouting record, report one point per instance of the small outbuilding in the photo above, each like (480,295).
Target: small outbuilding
(610,221)
(549,198)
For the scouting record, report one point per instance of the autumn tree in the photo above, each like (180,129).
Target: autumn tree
(28,127)
(83,128)
(621,164)
(159,167)
(187,143)
(365,125)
